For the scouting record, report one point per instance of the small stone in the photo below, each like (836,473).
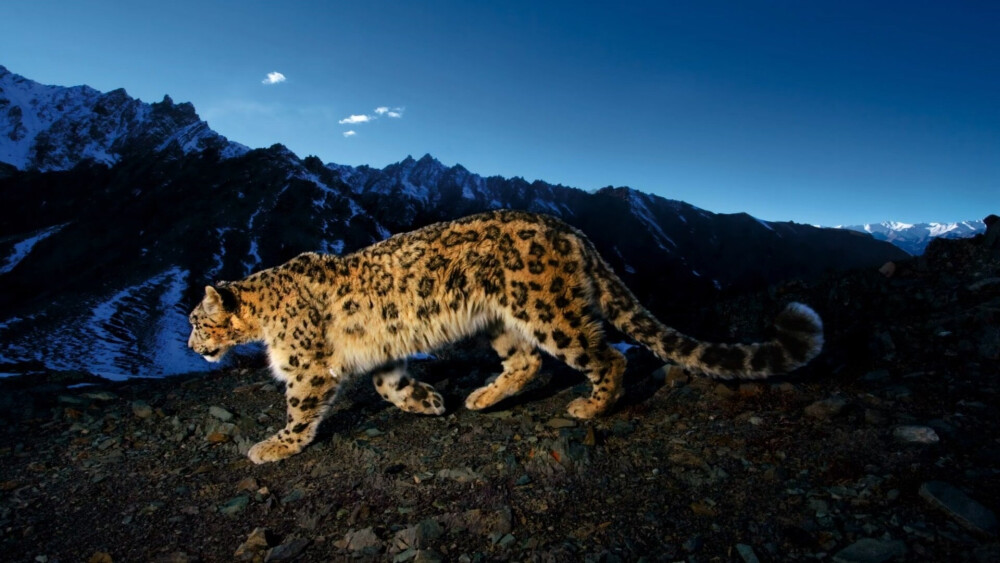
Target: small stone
(724,391)
(916,434)
(869,550)
(141,409)
(462,475)
(827,408)
(622,428)
(235,506)
(419,536)
(746,553)
(428,556)
(217,438)
(748,390)
(296,495)
(360,540)
(959,506)
(288,550)
(561,423)
(220,413)
(248,484)
(255,543)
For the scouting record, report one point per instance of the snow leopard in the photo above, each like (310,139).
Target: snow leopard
(531,282)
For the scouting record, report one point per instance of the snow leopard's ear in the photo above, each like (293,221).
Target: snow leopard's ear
(220,300)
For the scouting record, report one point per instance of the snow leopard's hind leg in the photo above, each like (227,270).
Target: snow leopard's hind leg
(521,362)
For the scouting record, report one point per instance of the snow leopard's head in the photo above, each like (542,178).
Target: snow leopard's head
(215,324)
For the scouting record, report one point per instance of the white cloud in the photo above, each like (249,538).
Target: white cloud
(355,119)
(350,133)
(274,78)
(389,112)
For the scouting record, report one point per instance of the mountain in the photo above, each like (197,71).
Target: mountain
(49,128)
(914,238)
(117,213)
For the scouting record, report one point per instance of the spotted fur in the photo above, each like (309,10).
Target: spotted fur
(535,283)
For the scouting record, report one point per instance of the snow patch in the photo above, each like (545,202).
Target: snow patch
(22,249)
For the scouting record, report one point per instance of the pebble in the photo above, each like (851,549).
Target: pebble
(916,434)
(462,475)
(959,506)
(561,423)
(235,506)
(419,536)
(746,553)
(220,413)
(869,550)
(428,556)
(361,540)
(826,408)
(255,543)
(288,550)
(142,409)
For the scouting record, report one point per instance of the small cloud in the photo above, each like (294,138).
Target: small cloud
(355,119)
(389,112)
(274,78)
(350,133)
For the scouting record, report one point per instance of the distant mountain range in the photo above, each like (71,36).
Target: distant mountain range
(118,212)
(914,238)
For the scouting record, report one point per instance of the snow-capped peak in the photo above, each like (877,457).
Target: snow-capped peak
(48,128)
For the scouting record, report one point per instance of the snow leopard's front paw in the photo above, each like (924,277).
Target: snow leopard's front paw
(272,449)
(585,408)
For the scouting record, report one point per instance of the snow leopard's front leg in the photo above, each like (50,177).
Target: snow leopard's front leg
(308,394)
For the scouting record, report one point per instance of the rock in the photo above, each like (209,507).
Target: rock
(869,550)
(288,550)
(959,506)
(888,269)
(419,536)
(746,553)
(295,495)
(724,391)
(220,413)
(916,434)
(428,556)
(141,409)
(255,543)
(748,390)
(827,408)
(462,475)
(561,423)
(247,484)
(361,540)
(235,506)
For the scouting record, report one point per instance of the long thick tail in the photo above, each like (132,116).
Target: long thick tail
(799,336)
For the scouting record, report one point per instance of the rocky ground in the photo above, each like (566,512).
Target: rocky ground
(885,448)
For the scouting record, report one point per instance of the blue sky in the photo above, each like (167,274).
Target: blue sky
(818,112)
